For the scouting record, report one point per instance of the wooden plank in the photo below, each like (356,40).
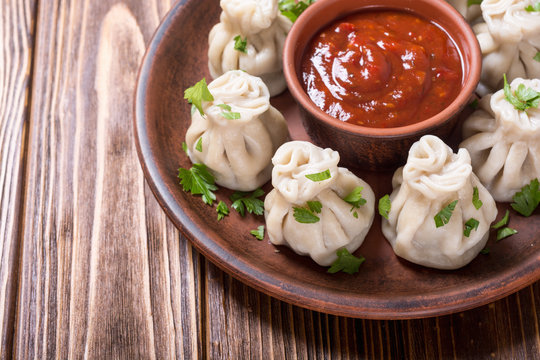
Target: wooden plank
(17,38)
(104,274)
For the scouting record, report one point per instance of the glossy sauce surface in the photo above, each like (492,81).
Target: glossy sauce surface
(382,69)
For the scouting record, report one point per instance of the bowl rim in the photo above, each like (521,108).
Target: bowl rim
(469,82)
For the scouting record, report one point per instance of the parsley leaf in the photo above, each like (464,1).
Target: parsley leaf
(240,44)
(198,146)
(199,181)
(227,113)
(346,262)
(258,233)
(185,148)
(292,9)
(384,206)
(503,221)
(222,210)
(315,206)
(537,56)
(523,98)
(473,2)
(443,216)
(355,199)
(324,175)
(484,251)
(476,199)
(471,224)
(505,232)
(243,201)
(533,8)
(526,201)
(304,216)
(197,94)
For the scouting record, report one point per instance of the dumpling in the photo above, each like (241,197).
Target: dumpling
(504,142)
(261,25)
(340,224)
(470,12)
(509,39)
(237,149)
(433,178)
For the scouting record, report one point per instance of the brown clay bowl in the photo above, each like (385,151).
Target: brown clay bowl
(367,147)
(387,287)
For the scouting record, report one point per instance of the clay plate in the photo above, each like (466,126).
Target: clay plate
(385,288)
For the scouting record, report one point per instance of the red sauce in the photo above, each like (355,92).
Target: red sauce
(382,69)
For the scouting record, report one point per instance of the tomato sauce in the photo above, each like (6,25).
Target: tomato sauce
(382,69)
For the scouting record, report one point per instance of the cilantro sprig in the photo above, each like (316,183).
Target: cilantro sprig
(305,216)
(199,181)
(503,221)
(292,9)
(197,94)
(315,206)
(527,200)
(258,233)
(355,199)
(523,98)
(240,44)
(384,206)
(346,262)
(222,210)
(443,216)
(505,232)
(242,202)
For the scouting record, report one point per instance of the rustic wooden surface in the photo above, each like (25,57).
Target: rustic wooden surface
(89,264)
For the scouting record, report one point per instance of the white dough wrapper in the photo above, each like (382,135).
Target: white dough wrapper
(338,226)
(504,142)
(238,152)
(469,12)
(432,178)
(509,39)
(261,24)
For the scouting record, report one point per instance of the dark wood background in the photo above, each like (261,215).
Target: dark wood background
(91,267)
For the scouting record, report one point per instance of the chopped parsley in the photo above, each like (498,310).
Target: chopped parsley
(240,44)
(198,147)
(305,216)
(355,198)
(222,210)
(258,233)
(227,113)
(324,175)
(292,9)
(197,94)
(243,201)
(503,221)
(346,262)
(315,206)
(505,232)
(484,251)
(476,199)
(523,98)
(384,206)
(443,216)
(537,56)
(533,8)
(527,200)
(199,181)
(185,148)
(473,2)
(470,225)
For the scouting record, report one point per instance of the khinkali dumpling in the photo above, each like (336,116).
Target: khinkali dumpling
(509,39)
(340,225)
(504,142)
(237,151)
(261,24)
(433,178)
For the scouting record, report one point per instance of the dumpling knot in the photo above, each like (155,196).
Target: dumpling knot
(249,16)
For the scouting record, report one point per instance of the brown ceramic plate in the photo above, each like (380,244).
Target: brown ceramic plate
(385,288)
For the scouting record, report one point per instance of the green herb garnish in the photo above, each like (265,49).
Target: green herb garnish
(240,44)
(484,251)
(197,94)
(476,199)
(526,201)
(315,206)
(473,2)
(222,210)
(384,206)
(324,175)
(292,9)
(474,104)
(346,262)
(305,216)
(258,233)
(243,201)
(198,147)
(503,221)
(523,98)
(471,224)
(505,232)
(533,8)
(185,148)
(537,56)
(355,199)
(199,181)
(443,216)
(227,113)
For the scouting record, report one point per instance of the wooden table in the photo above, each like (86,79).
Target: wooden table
(90,266)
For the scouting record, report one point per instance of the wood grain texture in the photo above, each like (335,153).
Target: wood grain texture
(16,42)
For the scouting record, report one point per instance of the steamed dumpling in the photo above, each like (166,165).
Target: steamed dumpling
(261,24)
(340,224)
(504,143)
(237,151)
(433,178)
(509,39)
